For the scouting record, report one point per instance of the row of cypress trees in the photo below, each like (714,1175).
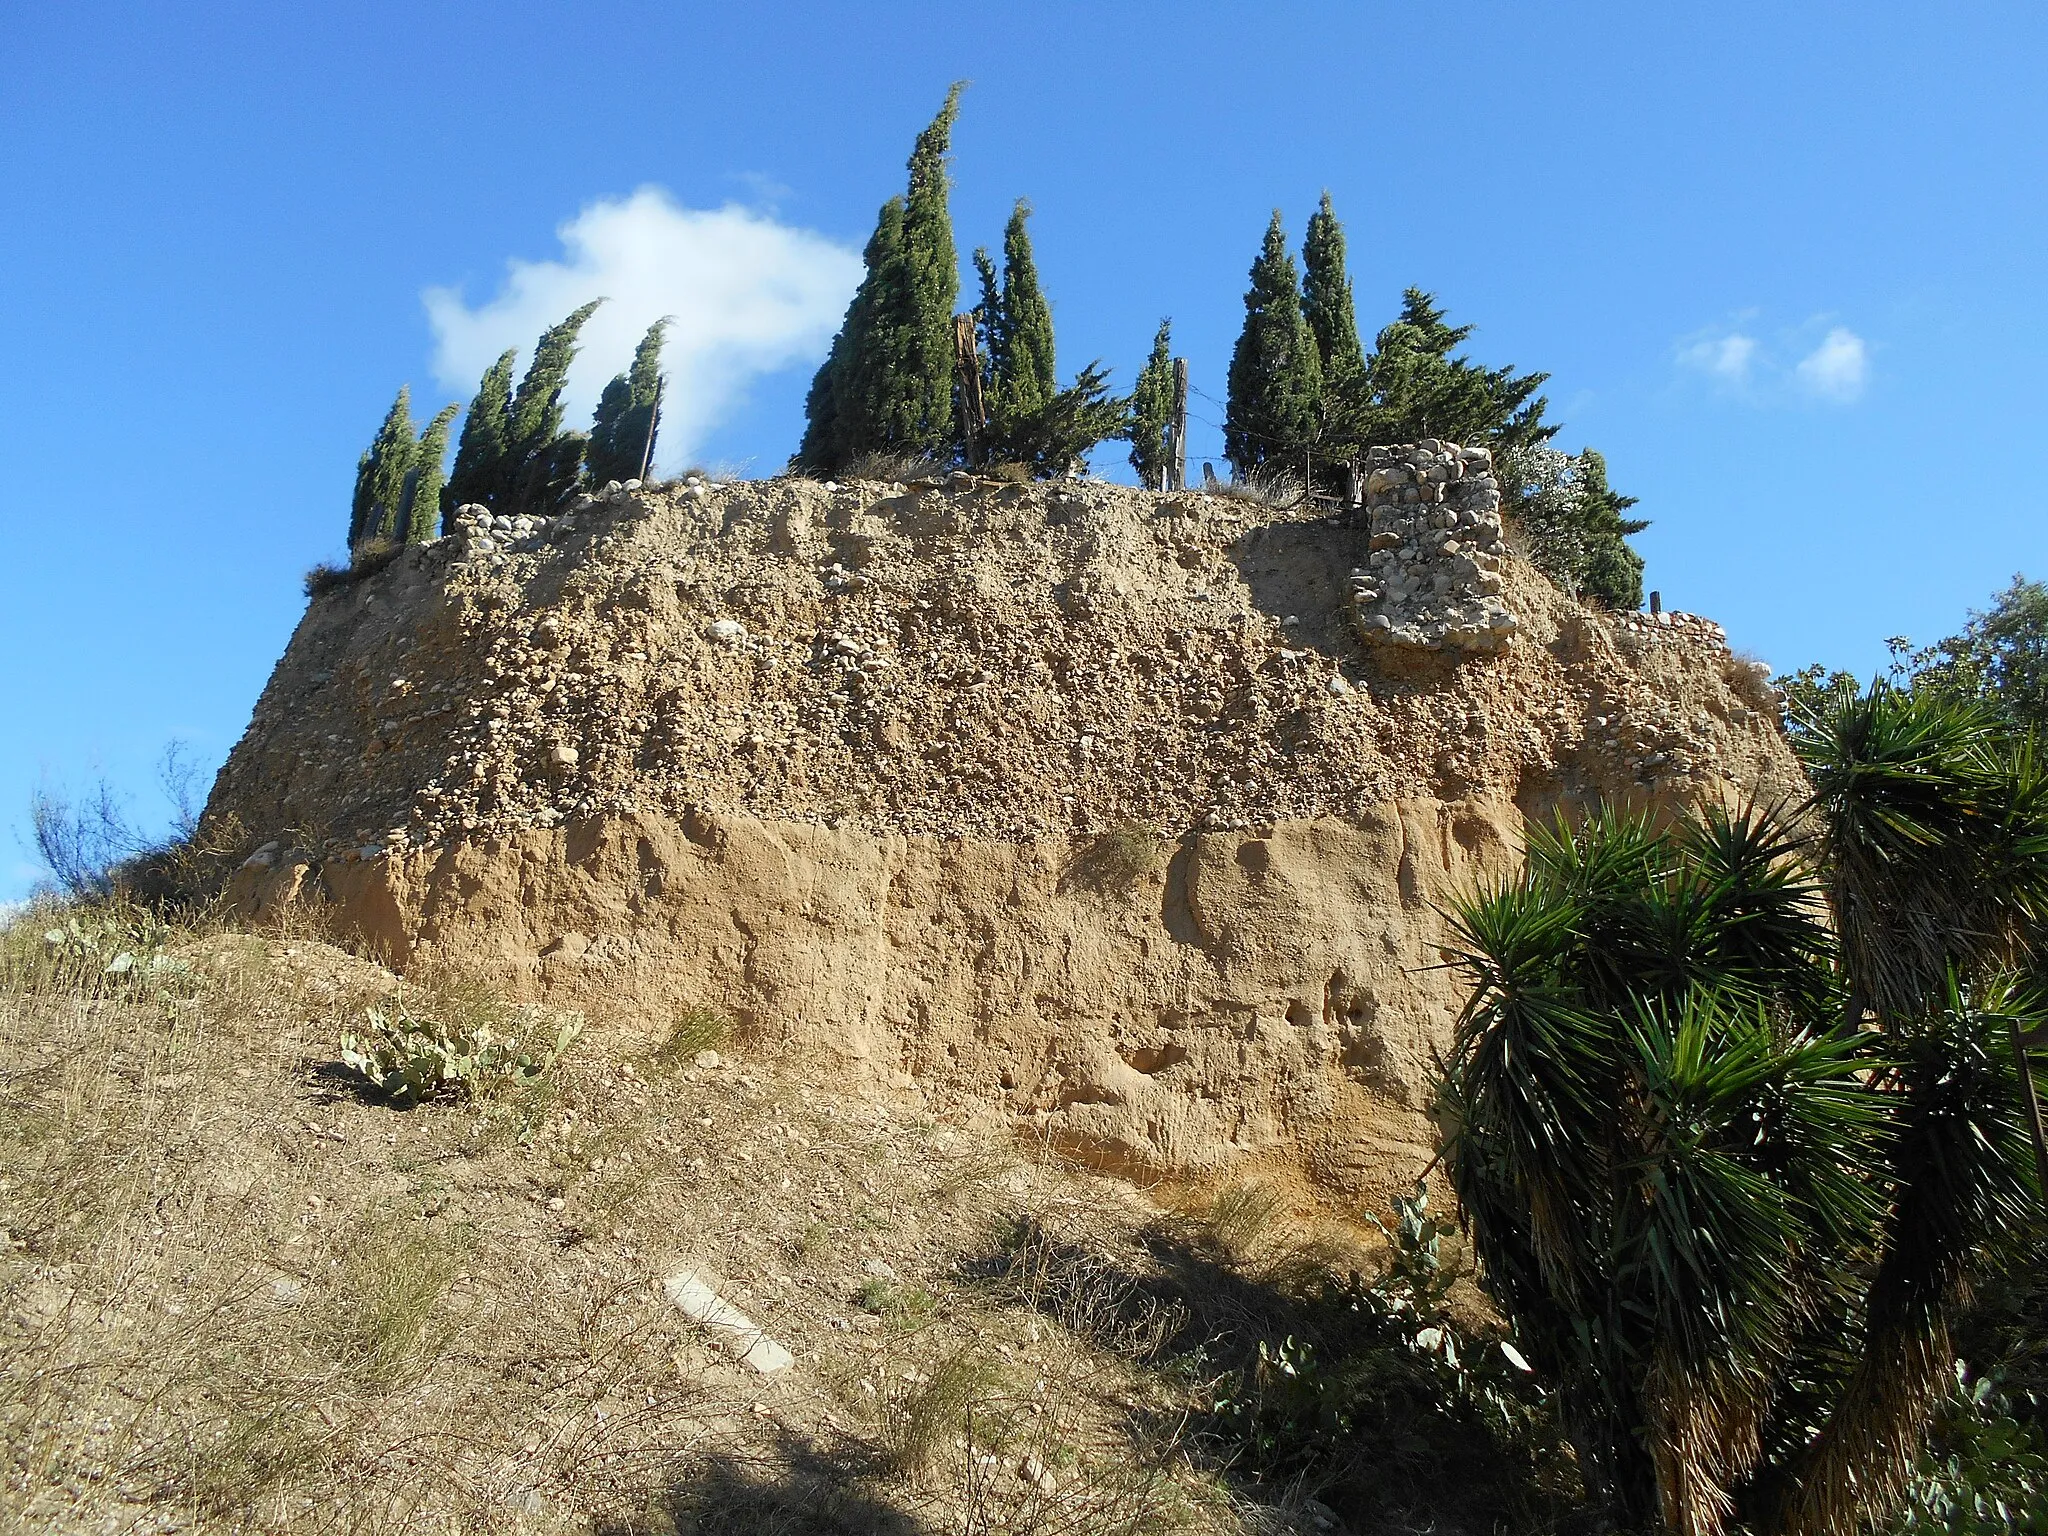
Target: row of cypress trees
(892,386)
(1306,398)
(906,379)
(514,454)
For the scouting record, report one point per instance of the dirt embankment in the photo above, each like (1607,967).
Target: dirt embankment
(1100,806)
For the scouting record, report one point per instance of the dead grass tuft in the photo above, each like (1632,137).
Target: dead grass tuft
(888,468)
(1113,862)
(382,1322)
(919,1419)
(1280,491)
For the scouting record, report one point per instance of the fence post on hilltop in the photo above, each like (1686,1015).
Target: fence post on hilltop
(973,408)
(1176,476)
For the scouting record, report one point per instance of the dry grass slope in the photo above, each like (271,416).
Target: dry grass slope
(241,1292)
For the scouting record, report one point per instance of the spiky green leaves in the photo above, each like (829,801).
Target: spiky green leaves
(1643,1138)
(1731,1227)
(1936,827)
(1276,379)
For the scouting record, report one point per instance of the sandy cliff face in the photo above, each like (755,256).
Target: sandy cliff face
(1116,811)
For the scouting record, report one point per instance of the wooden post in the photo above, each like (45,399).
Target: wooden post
(973,408)
(653,420)
(1177,432)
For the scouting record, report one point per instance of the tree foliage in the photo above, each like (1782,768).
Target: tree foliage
(1276,378)
(513,454)
(1412,387)
(1326,298)
(1020,375)
(886,386)
(429,475)
(1572,520)
(398,479)
(484,445)
(623,431)
(1734,1115)
(1152,411)
(2001,656)
(1031,420)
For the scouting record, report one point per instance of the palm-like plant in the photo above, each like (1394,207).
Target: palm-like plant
(1731,1112)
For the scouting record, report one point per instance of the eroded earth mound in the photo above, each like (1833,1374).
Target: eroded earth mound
(1130,814)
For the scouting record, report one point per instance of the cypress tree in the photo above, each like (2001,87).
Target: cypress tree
(536,415)
(851,407)
(934,285)
(381,475)
(887,384)
(1152,411)
(423,499)
(1276,381)
(600,461)
(481,451)
(523,459)
(1326,297)
(628,414)
(1027,379)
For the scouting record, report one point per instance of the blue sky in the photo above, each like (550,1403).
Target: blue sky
(1783,263)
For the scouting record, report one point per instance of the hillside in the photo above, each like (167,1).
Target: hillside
(1126,815)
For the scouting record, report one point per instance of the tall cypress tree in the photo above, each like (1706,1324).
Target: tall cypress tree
(887,384)
(381,475)
(1276,376)
(1027,379)
(481,451)
(514,453)
(536,415)
(628,415)
(429,473)
(854,404)
(934,287)
(1326,297)
(1152,411)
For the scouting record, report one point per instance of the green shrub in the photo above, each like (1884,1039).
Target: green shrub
(1394,1384)
(415,1057)
(1985,1472)
(116,950)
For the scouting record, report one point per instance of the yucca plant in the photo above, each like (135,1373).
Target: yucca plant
(1735,1109)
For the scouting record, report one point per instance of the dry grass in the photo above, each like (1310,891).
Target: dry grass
(1114,861)
(239,1294)
(1280,490)
(888,468)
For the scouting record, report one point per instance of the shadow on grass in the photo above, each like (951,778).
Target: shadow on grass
(791,1490)
(1304,1390)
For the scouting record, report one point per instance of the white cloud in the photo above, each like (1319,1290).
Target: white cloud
(748,295)
(1837,368)
(1726,358)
